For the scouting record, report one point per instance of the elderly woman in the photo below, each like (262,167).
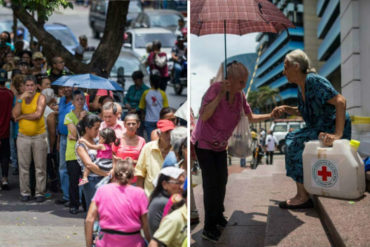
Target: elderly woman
(219,115)
(121,209)
(323,109)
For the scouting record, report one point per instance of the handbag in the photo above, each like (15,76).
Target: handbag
(240,141)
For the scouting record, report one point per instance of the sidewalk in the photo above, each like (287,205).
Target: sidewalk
(35,224)
(254,216)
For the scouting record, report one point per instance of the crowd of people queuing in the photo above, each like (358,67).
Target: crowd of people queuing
(126,169)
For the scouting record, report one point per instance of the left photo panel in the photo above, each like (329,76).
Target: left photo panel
(94,123)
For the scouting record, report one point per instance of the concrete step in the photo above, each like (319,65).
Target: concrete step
(292,227)
(348,222)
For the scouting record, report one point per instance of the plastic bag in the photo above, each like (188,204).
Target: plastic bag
(240,141)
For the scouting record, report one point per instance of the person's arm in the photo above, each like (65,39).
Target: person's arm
(84,156)
(207,110)
(291,110)
(145,226)
(140,182)
(92,215)
(153,243)
(340,116)
(72,131)
(41,104)
(52,124)
(93,146)
(95,104)
(253,118)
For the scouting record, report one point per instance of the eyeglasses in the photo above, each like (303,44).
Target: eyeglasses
(175,182)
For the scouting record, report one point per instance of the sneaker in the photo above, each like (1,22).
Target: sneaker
(73,211)
(25,198)
(212,236)
(5,185)
(222,222)
(40,198)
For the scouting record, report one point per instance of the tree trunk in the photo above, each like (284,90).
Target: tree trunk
(105,55)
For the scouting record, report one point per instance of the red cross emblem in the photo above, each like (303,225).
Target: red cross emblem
(324,173)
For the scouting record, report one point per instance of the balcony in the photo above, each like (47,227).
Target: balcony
(291,7)
(298,31)
(327,17)
(331,64)
(274,72)
(279,82)
(320,7)
(329,41)
(291,45)
(288,94)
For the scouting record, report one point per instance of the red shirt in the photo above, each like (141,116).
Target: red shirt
(6,102)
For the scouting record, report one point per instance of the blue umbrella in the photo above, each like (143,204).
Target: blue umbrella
(88,81)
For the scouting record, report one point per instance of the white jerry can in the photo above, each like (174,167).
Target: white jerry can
(336,171)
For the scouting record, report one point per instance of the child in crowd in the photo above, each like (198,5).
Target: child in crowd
(107,137)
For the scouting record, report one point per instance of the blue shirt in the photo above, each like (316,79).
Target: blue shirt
(64,109)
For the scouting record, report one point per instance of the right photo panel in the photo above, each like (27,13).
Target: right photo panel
(280,131)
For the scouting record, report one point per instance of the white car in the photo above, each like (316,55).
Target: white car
(137,39)
(281,128)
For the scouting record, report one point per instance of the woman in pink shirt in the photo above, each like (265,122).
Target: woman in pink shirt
(219,115)
(130,144)
(121,209)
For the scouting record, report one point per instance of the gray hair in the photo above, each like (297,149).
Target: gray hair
(49,94)
(110,106)
(178,135)
(300,58)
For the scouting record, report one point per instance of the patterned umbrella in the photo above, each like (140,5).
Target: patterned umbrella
(235,17)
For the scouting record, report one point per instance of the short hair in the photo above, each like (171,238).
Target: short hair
(30,78)
(17,81)
(137,75)
(104,97)
(77,92)
(110,106)
(54,59)
(132,115)
(156,45)
(236,68)
(165,111)
(178,135)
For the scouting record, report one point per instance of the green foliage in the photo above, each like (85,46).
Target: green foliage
(264,98)
(43,8)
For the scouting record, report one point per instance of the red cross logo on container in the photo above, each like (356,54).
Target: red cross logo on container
(325,173)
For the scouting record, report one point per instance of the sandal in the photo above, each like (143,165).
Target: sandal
(307,204)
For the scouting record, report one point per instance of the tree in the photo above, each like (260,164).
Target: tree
(108,49)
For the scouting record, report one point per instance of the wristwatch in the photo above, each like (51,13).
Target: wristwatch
(19,100)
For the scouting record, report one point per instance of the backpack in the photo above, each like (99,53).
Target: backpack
(160,61)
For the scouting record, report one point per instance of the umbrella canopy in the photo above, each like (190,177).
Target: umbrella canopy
(236,17)
(88,81)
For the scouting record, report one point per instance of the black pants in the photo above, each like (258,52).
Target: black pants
(214,175)
(4,156)
(163,84)
(269,157)
(74,173)
(52,171)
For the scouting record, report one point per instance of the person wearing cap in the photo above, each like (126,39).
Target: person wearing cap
(20,37)
(169,182)
(152,156)
(24,67)
(166,113)
(39,63)
(6,100)
(32,139)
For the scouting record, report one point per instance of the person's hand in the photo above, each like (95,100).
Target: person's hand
(278,111)
(18,118)
(226,84)
(25,95)
(328,139)
(83,114)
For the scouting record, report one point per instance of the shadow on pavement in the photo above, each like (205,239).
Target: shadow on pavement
(243,230)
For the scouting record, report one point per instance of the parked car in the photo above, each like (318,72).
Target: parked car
(164,18)
(137,39)
(98,14)
(281,128)
(64,34)
(130,62)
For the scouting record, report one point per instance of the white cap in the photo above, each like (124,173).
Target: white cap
(169,171)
